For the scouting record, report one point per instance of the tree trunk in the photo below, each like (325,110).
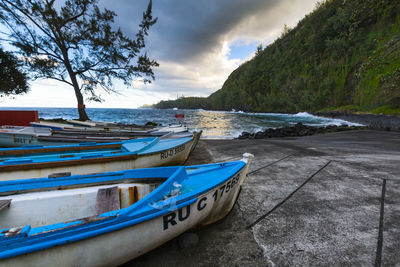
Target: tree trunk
(82,113)
(81,105)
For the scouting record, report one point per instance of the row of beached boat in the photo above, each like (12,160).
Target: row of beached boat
(52,133)
(102,204)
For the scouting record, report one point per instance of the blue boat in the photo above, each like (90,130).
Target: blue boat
(84,158)
(110,218)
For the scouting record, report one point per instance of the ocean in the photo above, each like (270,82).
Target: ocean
(215,124)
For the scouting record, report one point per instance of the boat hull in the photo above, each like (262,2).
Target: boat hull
(120,246)
(19,140)
(171,156)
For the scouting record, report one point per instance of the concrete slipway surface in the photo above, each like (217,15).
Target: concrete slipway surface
(324,200)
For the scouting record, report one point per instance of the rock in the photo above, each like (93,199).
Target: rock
(244,135)
(150,123)
(299,130)
(259,135)
(299,125)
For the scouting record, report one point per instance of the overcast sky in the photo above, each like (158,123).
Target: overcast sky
(197,43)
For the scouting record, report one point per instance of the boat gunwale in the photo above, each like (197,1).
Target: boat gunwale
(64,163)
(61,148)
(83,161)
(122,180)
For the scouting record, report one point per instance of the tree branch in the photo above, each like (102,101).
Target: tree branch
(23,40)
(78,72)
(33,21)
(75,17)
(58,79)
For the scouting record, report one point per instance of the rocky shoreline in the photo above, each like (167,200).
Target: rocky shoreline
(298,130)
(370,121)
(376,122)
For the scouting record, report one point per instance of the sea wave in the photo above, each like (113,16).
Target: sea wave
(303,114)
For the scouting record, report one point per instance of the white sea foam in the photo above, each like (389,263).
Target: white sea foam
(303,114)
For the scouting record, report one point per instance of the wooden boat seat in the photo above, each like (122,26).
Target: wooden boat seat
(59,174)
(107,200)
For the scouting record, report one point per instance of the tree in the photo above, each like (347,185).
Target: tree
(285,31)
(76,44)
(259,49)
(12,80)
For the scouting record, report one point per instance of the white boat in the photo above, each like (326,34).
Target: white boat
(84,158)
(108,219)
(15,136)
(18,136)
(175,128)
(53,125)
(93,126)
(12,136)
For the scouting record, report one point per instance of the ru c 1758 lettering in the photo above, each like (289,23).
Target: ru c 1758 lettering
(173,218)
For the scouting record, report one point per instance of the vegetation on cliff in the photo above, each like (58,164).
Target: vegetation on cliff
(344,56)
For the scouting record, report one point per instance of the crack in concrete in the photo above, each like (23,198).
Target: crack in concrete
(378,259)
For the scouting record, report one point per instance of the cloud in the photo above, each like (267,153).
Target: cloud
(192,39)
(192,42)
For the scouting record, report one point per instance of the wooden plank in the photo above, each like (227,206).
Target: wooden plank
(41,165)
(133,194)
(107,200)
(4,203)
(59,174)
(23,152)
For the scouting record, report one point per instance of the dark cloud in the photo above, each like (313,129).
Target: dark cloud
(187,29)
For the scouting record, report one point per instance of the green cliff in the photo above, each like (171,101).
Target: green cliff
(345,55)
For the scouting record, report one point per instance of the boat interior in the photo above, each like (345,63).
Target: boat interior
(44,206)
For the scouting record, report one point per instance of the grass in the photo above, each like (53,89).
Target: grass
(386,110)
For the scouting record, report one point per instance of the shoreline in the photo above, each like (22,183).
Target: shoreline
(298,130)
(368,121)
(376,122)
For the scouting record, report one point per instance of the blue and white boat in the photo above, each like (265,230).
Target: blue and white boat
(110,218)
(84,158)
(16,136)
